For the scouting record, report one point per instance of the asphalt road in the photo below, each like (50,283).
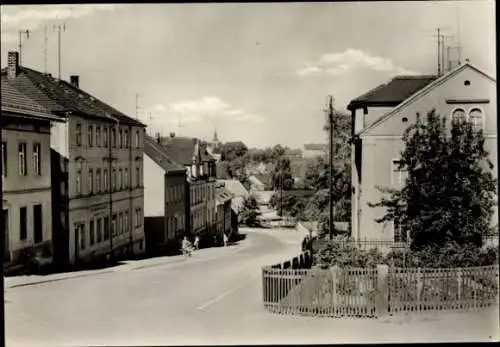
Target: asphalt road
(213,297)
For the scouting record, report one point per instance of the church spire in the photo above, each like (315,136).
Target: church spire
(216,139)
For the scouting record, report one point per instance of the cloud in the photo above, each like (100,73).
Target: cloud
(351,59)
(32,17)
(196,111)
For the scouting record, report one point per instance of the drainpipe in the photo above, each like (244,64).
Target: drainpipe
(130,189)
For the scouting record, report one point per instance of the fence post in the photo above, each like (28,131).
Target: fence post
(382,297)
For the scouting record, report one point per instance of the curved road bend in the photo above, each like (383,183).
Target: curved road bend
(212,298)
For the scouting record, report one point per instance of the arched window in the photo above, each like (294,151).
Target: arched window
(476,119)
(458,115)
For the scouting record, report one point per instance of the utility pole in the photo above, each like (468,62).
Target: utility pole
(439,50)
(59,27)
(330,138)
(21,33)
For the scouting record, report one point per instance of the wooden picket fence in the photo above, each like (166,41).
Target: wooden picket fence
(362,292)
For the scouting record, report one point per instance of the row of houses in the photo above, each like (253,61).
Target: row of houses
(82,181)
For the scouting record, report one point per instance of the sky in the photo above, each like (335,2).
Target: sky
(258,73)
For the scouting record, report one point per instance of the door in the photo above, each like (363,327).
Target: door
(37,223)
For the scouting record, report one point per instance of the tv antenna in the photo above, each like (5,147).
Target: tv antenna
(59,28)
(45,49)
(21,33)
(441,49)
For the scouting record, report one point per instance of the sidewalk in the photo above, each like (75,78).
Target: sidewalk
(127,265)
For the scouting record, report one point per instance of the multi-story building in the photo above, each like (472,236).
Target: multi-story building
(26,186)
(97,155)
(223,215)
(379,119)
(200,165)
(165,198)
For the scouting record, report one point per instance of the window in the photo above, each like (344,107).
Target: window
(137,139)
(90,182)
(125,178)
(78,180)
(91,136)
(23,170)
(476,119)
(98,136)
(125,139)
(120,223)
(113,137)
(105,137)
(92,232)
(37,223)
(98,180)
(138,217)
(4,159)
(106,228)
(400,232)
(138,176)
(113,180)
(99,230)
(78,134)
(458,116)
(113,227)
(120,138)
(398,174)
(23,223)
(105,180)
(37,166)
(126,222)
(119,183)
(81,231)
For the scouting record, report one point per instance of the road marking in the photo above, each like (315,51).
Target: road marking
(223,295)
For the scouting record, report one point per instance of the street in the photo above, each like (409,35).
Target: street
(214,297)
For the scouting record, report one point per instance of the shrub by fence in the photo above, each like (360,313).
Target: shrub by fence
(364,292)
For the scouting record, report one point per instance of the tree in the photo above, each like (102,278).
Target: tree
(282,175)
(250,211)
(291,204)
(231,150)
(447,200)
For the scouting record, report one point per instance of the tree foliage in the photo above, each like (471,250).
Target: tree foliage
(448,197)
(282,175)
(250,211)
(291,204)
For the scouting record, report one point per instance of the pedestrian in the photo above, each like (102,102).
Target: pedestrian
(196,242)
(225,240)
(186,247)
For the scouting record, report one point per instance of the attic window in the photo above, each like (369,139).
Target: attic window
(467,83)
(405,119)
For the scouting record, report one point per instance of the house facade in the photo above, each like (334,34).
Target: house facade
(165,199)
(26,172)
(192,154)
(223,214)
(380,118)
(96,163)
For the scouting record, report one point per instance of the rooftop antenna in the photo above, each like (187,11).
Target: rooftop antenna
(137,106)
(59,28)
(21,33)
(179,123)
(440,49)
(45,49)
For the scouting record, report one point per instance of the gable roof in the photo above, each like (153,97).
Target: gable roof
(158,154)
(424,91)
(180,149)
(64,96)
(236,188)
(393,92)
(16,102)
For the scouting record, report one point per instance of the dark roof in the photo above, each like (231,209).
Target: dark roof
(63,96)
(392,93)
(180,149)
(158,154)
(14,99)
(222,195)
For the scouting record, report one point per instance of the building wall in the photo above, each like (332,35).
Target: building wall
(122,195)
(383,143)
(175,205)
(29,190)
(154,188)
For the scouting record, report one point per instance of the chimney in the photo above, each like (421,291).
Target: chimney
(172,135)
(158,138)
(13,64)
(75,81)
